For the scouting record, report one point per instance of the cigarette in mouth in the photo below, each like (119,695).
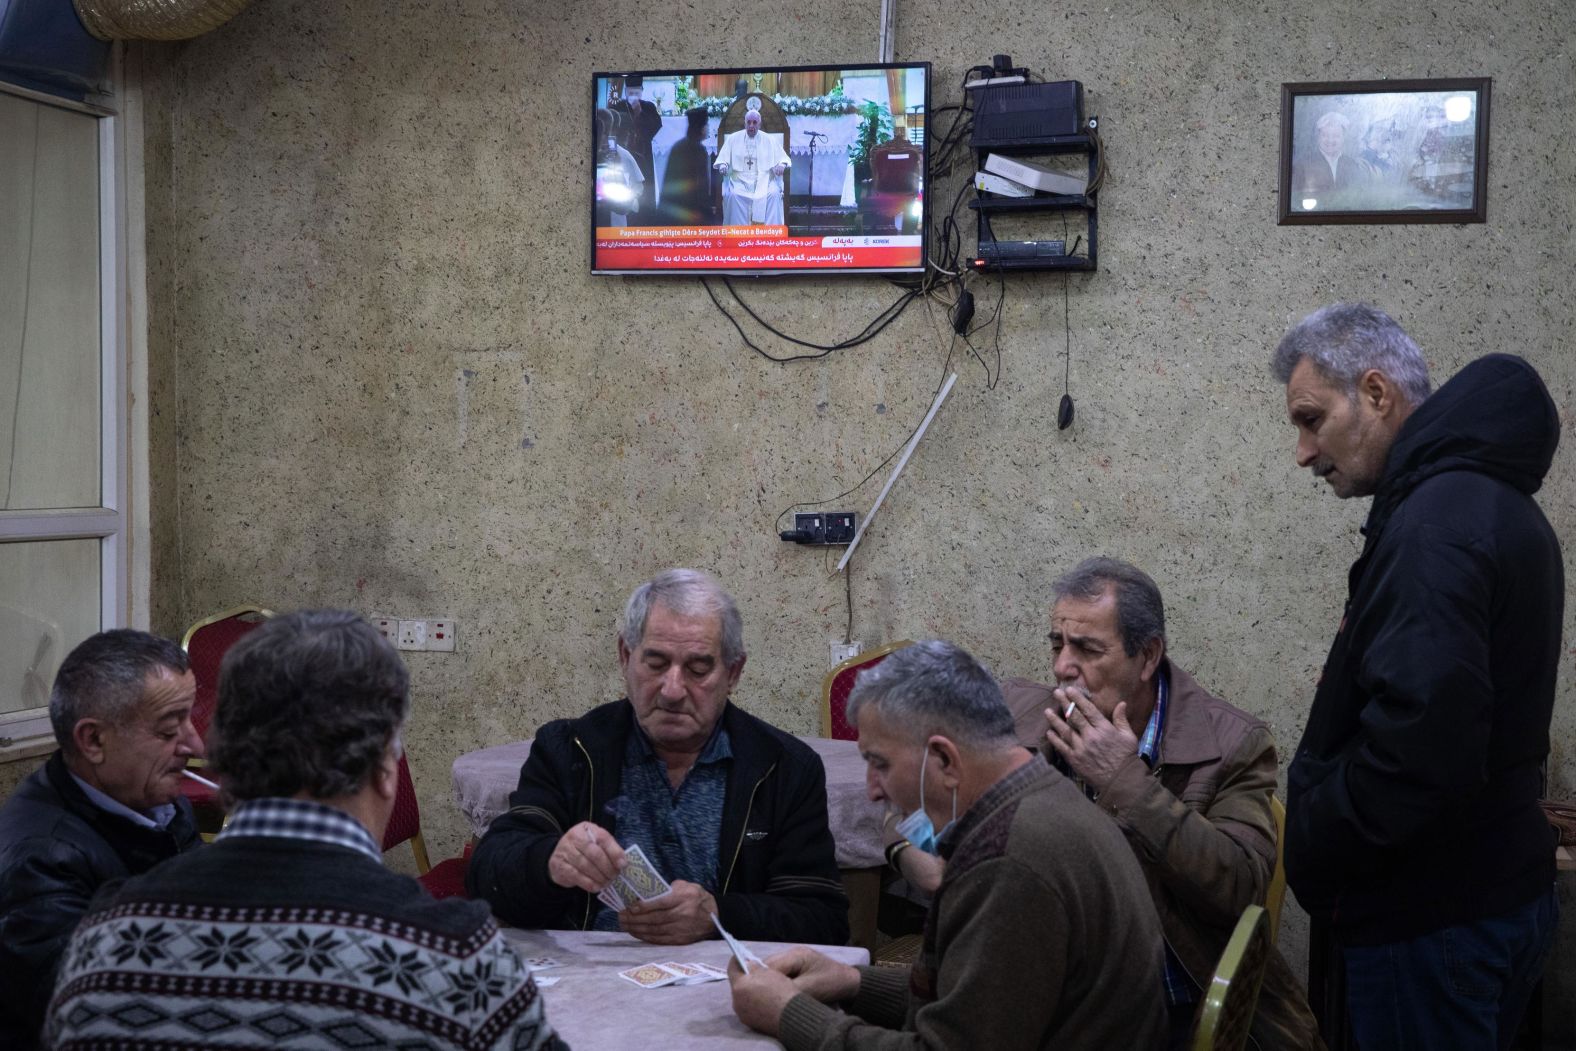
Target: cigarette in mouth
(200,779)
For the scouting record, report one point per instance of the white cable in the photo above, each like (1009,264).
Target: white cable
(902,462)
(944,270)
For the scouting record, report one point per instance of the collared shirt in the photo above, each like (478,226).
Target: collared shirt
(675,827)
(159,817)
(1149,743)
(300,819)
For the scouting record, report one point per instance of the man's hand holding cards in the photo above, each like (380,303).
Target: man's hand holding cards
(586,858)
(637,881)
(657,912)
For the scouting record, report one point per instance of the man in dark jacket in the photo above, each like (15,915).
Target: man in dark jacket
(1413,820)
(106,805)
(729,810)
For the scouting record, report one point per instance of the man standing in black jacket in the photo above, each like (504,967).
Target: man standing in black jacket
(106,805)
(731,811)
(1413,832)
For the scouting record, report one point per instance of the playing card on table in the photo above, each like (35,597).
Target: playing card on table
(650,975)
(694,973)
(641,876)
(541,963)
(546,982)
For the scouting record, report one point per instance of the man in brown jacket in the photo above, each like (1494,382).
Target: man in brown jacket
(1040,896)
(1187,777)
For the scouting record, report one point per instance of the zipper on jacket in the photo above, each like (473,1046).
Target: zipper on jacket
(585,923)
(745,827)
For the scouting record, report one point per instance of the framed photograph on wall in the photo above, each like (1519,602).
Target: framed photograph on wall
(1384,151)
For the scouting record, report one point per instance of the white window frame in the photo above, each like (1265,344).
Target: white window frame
(123,579)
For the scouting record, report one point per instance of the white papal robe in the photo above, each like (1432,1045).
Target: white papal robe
(750,192)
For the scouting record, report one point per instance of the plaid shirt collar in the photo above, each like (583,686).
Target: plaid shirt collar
(300,819)
(1149,744)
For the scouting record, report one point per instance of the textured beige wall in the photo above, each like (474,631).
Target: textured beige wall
(396,387)
(150,73)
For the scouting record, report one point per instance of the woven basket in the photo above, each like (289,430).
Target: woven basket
(155,19)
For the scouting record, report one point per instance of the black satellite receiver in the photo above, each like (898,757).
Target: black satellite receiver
(1026,114)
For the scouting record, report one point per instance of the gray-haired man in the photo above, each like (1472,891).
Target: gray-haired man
(105,806)
(1413,831)
(730,810)
(1042,933)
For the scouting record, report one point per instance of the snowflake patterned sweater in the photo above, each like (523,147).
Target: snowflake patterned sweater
(290,945)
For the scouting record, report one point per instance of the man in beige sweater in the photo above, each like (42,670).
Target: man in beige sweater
(1042,933)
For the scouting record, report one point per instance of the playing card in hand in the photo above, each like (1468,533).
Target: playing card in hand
(616,896)
(741,952)
(641,876)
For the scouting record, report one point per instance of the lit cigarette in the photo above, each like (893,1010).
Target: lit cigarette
(1068,714)
(201,780)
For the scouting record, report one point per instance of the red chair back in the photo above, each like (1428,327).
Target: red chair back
(896,168)
(405,821)
(206,643)
(839,683)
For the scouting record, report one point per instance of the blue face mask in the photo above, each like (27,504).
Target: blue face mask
(917,828)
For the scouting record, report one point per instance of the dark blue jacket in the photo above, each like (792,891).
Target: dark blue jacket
(778,878)
(1412,803)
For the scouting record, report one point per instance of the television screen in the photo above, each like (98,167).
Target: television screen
(789,170)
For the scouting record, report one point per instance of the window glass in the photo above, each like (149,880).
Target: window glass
(50,348)
(49,602)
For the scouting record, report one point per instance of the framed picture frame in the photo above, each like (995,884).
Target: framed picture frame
(1384,151)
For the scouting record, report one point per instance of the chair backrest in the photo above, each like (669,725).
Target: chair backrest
(405,821)
(206,642)
(1226,1012)
(1276,894)
(773,120)
(896,166)
(839,683)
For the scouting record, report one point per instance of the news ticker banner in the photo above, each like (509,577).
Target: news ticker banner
(747,248)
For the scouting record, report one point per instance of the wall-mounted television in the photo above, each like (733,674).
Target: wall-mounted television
(766,170)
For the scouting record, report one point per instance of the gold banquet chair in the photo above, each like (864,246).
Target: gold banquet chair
(1226,1012)
(1275,896)
(839,683)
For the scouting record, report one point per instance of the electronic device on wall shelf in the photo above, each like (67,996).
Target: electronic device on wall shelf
(760,170)
(1020,128)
